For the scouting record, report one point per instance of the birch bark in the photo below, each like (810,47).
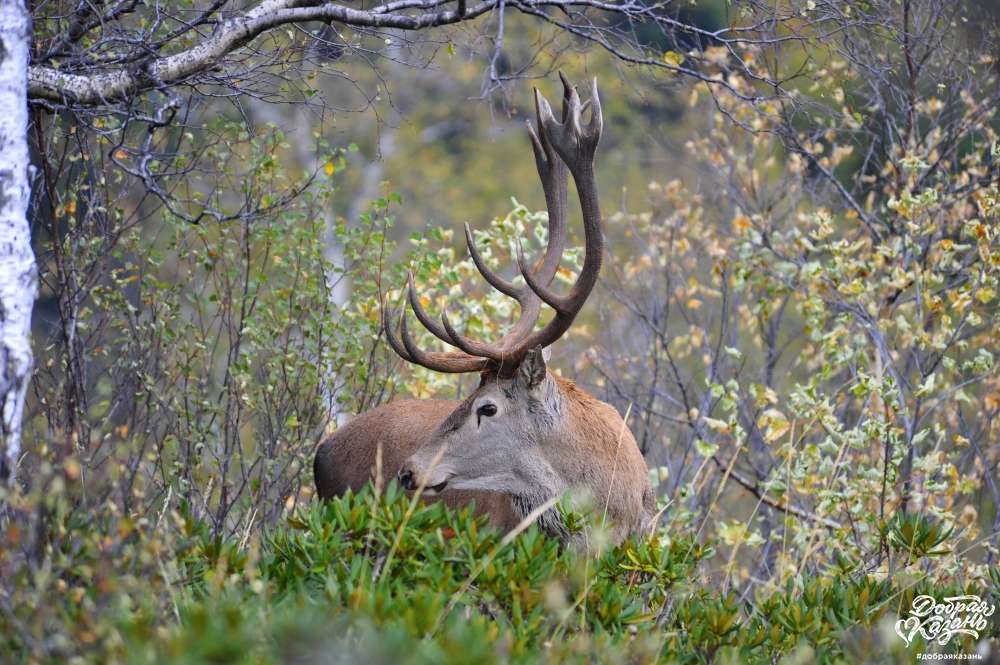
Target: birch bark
(18,274)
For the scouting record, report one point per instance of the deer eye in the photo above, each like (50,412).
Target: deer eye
(488,410)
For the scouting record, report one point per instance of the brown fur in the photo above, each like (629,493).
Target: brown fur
(347,460)
(621,484)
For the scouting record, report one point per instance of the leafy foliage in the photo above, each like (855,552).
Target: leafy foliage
(820,334)
(798,311)
(380,579)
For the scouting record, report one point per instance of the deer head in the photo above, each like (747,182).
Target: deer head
(525,431)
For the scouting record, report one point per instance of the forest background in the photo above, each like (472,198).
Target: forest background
(797,315)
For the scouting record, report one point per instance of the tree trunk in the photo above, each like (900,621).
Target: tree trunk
(18,274)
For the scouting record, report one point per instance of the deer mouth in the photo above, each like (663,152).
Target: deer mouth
(436,489)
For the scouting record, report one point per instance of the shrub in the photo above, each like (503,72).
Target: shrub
(365,579)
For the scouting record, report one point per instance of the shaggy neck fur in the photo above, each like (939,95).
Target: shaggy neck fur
(565,414)
(550,522)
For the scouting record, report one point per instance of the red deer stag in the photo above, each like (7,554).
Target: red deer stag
(347,460)
(524,435)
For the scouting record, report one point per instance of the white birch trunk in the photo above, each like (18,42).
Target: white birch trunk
(18,274)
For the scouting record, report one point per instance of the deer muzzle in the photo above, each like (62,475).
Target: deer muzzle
(411,481)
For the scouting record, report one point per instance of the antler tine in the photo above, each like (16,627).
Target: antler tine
(475,356)
(553,176)
(394,341)
(596,126)
(422,315)
(470,346)
(449,362)
(495,280)
(568,89)
(550,298)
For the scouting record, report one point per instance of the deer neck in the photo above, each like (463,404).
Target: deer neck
(549,428)
(578,441)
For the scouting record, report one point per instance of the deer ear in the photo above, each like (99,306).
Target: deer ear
(531,371)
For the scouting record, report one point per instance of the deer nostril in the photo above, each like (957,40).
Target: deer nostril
(406,479)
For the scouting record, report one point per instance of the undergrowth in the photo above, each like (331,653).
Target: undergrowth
(364,579)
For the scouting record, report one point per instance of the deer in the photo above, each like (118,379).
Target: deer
(525,435)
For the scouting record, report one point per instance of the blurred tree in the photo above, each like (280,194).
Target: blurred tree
(118,83)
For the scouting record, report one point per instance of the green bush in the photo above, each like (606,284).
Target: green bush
(364,579)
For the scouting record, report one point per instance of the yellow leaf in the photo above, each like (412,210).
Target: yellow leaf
(775,424)
(329,168)
(673,58)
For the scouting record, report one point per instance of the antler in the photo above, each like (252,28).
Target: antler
(558,144)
